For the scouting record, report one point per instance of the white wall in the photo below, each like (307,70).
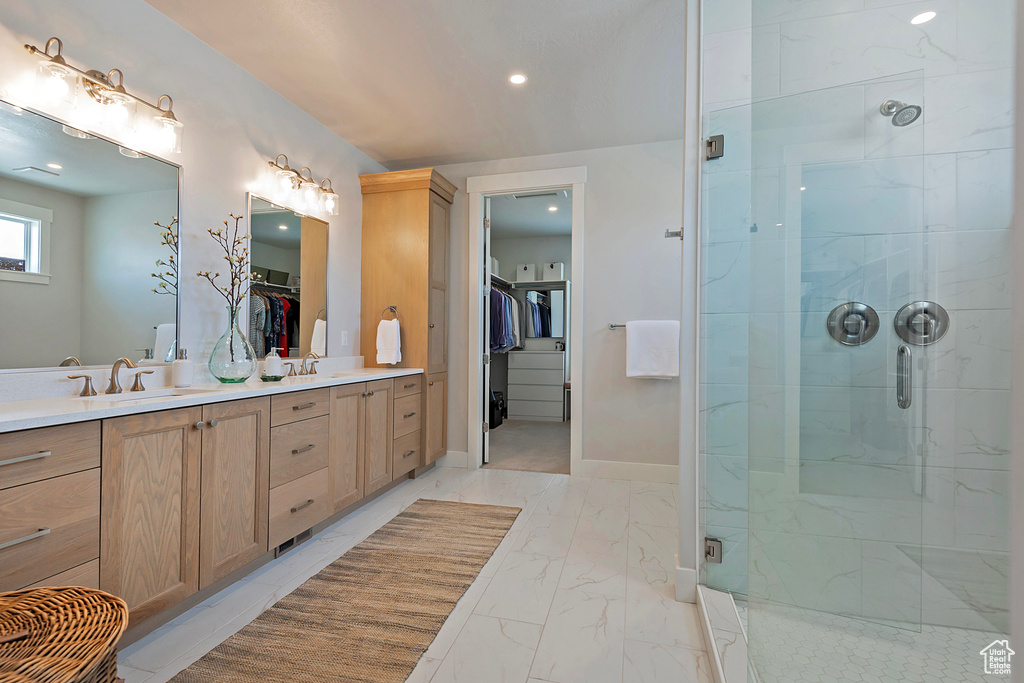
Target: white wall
(633,194)
(120,246)
(276,258)
(40,324)
(536,250)
(233,125)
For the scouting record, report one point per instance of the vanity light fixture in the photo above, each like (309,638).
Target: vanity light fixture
(303,191)
(922,18)
(100,100)
(517,79)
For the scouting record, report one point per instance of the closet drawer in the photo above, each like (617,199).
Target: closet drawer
(407,415)
(301,405)
(534,409)
(298,505)
(298,448)
(535,392)
(406,386)
(536,360)
(520,376)
(86,575)
(64,512)
(406,455)
(43,453)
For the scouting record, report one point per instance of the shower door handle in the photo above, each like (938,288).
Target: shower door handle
(904,377)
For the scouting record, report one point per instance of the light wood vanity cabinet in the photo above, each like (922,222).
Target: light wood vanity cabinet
(348,438)
(405,263)
(378,430)
(149,549)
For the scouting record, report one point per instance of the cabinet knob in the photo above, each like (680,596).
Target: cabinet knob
(431,325)
(200,425)
(213,422)
(430,384)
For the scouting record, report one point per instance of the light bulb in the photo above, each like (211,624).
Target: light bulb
(168,134)
(310,195)
(53,82)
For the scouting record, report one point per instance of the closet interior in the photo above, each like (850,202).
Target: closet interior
(529,259)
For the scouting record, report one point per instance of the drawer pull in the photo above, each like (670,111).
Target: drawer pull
(409,386)
(303,406)
(296,451)
(302,506)
(23,539)
(406,417)
(406,455)
(25,458)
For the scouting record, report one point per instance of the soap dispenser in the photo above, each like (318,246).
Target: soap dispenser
(273,366)
(182,370)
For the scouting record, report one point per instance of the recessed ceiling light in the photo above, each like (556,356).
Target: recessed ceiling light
(282,227)
(55,167)
(778,225)
(517,79)
(802,189)
(922,18)
(552,209)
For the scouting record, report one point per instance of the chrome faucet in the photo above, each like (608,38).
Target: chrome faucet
(115,385)
(311,370)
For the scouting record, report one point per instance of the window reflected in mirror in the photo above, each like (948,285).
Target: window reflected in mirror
(88,248)
(288,298)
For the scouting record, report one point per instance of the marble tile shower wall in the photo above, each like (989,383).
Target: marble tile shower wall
(855,506)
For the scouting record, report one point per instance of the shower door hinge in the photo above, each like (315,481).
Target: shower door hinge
(715,147)
(487,427)
(487,224)
(712,550)
(487,359)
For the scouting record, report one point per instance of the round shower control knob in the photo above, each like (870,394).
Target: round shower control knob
(852,324)
(921,323)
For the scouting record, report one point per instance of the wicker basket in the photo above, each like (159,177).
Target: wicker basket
(60,635)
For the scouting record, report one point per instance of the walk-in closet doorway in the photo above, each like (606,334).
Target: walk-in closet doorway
(525,396)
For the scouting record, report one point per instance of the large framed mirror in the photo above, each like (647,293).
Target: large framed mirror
(88,248)
(288,297)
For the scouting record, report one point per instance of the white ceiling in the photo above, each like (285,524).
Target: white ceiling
(91,168)
(265,221)
(514,216)
(426,82)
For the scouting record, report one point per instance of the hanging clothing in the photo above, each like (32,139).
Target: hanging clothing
(506,330)
(257,321)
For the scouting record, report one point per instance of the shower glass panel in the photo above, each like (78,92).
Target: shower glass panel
(855,478)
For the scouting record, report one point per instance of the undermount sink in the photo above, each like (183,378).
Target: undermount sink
(149,394)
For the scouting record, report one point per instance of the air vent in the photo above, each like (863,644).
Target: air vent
(33,169)
(530,195)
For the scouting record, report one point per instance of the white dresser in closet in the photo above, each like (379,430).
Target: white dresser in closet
(536,385)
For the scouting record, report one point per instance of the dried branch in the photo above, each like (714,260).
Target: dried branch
(236,253)
(168,278)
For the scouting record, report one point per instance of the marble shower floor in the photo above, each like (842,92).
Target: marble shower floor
(581,589)
(794,644)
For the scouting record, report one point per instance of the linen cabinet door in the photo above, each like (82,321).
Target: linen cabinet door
(149,527)
(379,430)
(235,486)
(345,460)
(437,417)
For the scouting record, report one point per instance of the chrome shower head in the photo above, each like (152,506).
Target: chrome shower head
(902,114)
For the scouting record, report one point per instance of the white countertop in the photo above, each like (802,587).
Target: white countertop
(44,412)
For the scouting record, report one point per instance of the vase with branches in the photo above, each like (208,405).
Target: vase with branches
(233,358)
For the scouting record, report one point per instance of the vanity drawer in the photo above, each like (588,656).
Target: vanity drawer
(407,415)
(50,452)
(406,455)
(86,575)
(298,448)
(298,505)
(57,522)
(406,386)
(300,405)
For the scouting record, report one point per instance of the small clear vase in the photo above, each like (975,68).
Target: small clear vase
(233,359)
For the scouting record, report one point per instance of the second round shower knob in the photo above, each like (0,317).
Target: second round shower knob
(852,324)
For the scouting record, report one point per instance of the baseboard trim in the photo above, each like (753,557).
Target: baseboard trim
(458,459)
(632,471)
(686,583)
(710,645)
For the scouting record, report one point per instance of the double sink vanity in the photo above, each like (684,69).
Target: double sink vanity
(165,496)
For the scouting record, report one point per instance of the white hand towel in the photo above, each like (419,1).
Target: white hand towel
(318,343)
(652,349)
(389,342)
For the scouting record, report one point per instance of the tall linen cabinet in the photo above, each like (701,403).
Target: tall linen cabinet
(406,216)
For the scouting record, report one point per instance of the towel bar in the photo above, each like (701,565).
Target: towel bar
(614,326)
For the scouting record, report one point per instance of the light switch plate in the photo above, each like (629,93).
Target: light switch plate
(344,338)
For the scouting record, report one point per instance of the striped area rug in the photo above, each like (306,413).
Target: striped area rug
(369,615)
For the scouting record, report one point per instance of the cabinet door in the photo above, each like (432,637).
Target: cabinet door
(149,529)
(378,429)
(439,214)
(345,459)
(437,314)
(437,332)
(235,486)
(436,417)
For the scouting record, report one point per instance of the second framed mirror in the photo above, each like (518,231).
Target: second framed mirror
(288,299)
